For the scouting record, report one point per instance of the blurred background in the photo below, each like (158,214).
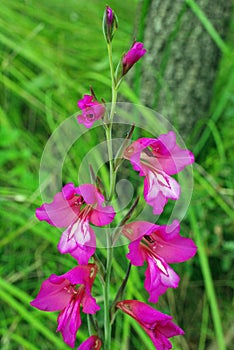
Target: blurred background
(51,52)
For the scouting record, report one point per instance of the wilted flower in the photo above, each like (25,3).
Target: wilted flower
(74,208)
(61,293)
(157,159)
(92,110)
(157,325)
(92,343)
(158,246)
(132,56)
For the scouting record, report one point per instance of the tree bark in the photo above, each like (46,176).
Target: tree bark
(179,70)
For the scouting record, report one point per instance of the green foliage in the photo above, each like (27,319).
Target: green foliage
(51,52)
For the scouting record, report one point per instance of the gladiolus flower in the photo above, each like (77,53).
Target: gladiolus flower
(92,343)
(91,111)
(74,208)
(158,246)
(132,56)
(157,159)
(157,325)
(61,293)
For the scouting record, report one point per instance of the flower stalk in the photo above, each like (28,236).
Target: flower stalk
(106,290)
(120,293)
(80,209)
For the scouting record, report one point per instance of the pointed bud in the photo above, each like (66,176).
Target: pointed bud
(132,56)
(110,24)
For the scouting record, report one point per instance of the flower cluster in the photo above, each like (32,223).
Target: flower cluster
(80,209)
(74,208)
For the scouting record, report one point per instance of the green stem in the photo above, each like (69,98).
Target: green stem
(109,47)
(106,287)
(106,292)
(110,156)
(120,293)
(109,126)
(210,290)
(91,326)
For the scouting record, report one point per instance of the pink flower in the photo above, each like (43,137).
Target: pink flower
(132,56)
(91,111)
(74,208)
(157,159)
(157,325)
(61,293)
(158,246)
(92,343)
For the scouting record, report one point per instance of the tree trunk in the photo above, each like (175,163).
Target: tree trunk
(180,67)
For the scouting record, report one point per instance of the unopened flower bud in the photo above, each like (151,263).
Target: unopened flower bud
(132,56)
(110,24)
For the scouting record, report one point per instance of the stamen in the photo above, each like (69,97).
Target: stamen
(92,272)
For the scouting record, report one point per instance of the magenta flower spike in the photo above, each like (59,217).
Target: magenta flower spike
(92,110)
(74,208)
(157,159)
(132,56)
(92,343)
(158,246)
(61,293)
(157,325)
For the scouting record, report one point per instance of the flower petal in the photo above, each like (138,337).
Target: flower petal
(138,229)
(86,101)
(79,240)
(83,274)
(83,253)
(90,305)
(136,254)
(159,277)
(172,158)
(102,215)
(158,187)
(92,343)
(69,321)
(172,247)
(53,296)
(90,194)
(62,211)
(142,313)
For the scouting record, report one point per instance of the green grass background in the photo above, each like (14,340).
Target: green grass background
(51,52)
